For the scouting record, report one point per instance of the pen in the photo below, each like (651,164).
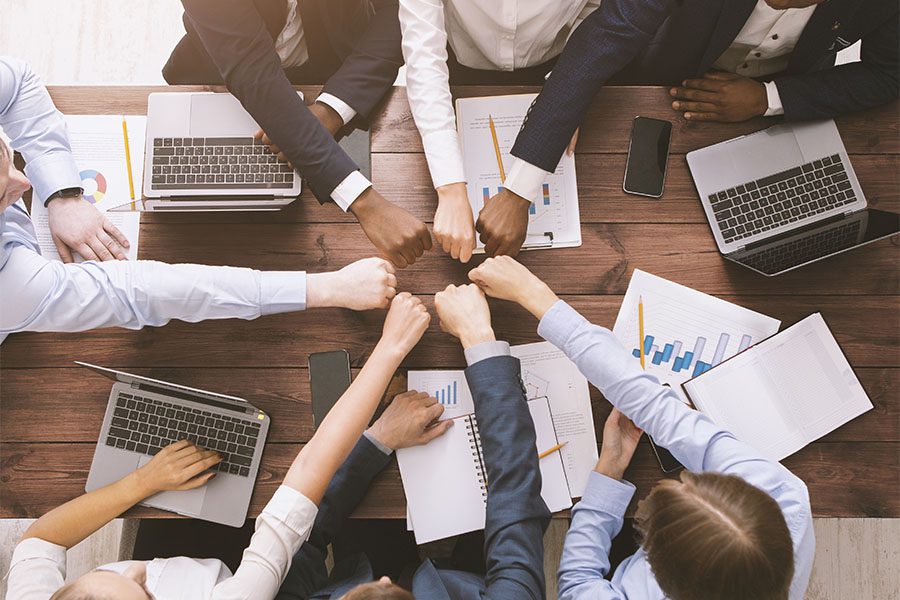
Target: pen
(497,149)
(128,161)
(641,328)
(550,451)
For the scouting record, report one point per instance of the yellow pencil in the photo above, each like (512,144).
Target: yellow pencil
(641,328)
(497,149)
(550,451)
(128,160)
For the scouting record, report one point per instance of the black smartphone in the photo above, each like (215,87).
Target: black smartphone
(329,378)
(648,153)
(667,462)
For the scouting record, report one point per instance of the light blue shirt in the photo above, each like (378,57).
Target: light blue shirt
(37,294)
(689,435)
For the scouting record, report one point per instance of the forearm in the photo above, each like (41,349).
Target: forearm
(836,91)
(321,457)
(75,520)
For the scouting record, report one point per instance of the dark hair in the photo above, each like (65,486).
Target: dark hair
(715,537)
(378,591)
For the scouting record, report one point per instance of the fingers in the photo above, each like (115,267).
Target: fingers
(112,245)
(467,247)
(425,239)
(436,431)
(702,116)
(695,95)
(434,411)
(86,252)
(707,85)
(64,253)
(196,482)
(203,461)
(695,106)
(174,447)
(100,250)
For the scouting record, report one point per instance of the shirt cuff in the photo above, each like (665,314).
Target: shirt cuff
(52,172)
(378,444)
(559,323)
(282,291)
(444,157)
(33,548)
(607,494)
(350,189)
(292,508)
(485,350)
(775,106)
(525,179)
(340,107)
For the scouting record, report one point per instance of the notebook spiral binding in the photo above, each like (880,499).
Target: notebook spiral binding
(475,446)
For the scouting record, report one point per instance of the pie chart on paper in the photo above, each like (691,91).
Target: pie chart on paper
(94,184)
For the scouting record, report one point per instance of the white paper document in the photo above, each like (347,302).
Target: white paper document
(553,218)
(98,146)
(449,387)
(686,332)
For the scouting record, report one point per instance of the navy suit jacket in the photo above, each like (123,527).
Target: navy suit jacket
(356,41)
(662,42)
(516,514)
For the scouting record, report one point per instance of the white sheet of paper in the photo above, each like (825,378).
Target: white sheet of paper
(98,146)
(555,208)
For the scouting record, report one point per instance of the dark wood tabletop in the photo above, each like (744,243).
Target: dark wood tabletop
(50,410)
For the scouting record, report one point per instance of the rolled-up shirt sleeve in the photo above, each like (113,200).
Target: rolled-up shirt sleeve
(36,571)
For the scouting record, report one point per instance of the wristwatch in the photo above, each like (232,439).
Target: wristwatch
(72,192)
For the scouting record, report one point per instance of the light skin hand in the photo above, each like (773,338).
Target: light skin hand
(464,313)
(620,440)
(398,235)
(77,226)
(411,419)
(503,223)
(179,466)
(366,284)
(505,278)
(454,226)
(406,322)
(13,182)
(720,96)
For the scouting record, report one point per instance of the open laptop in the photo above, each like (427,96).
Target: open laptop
(201,155)
(785,197)
(145,415)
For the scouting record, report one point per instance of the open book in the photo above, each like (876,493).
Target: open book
(784,392)
(446,483)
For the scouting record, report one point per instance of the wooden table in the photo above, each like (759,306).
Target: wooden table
(51,410)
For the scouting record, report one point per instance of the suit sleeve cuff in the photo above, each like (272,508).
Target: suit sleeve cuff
(350,189)
(525,179)
(340,107)
(52,172)
(606,494)
(377,444)
(444,157)
(485,350)
(775,106)
(282,291)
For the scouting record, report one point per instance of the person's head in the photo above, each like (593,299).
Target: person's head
(382,589)
(715,537)
(785,4)
(107,585)
(13,182)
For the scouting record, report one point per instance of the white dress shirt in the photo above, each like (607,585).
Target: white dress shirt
(762,47)
(38,567)
(37,294)
(503,35)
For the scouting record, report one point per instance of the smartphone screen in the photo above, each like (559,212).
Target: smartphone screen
(329,378)
(645,171)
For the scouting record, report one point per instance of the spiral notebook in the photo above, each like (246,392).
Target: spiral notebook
(445,480)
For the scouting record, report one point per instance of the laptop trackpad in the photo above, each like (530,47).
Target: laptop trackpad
(189,502)
(767,152)
(220,115)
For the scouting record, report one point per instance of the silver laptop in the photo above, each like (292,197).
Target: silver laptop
(785,197)
(201,155)
(145,415)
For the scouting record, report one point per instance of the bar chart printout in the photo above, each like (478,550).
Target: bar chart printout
(448,387)
(686,332)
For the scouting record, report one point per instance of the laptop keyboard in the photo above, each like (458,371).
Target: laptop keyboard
(799,251)
(146,426)
(786,197)
(217,163)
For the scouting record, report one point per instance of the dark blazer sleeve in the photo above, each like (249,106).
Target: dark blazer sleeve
(308,573)
(235,37)
(516,514)
(873,81)
(369,71)
(605,42)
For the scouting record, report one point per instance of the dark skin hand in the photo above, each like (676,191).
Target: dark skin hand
(398,235)
(722,97)
(503,224)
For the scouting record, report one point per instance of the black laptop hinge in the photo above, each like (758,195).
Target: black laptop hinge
(793,232)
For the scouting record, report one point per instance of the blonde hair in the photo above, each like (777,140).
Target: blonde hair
(75,591)
(715,537)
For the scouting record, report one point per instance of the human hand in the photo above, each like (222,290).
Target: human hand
(366,284)
(411,419)
(327,116)
(505,278)
(464,313)
(404,325)
(398,235)
(77,226)
(720,96)
(454,226)
(503,223)
(179,466)
(620,439)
